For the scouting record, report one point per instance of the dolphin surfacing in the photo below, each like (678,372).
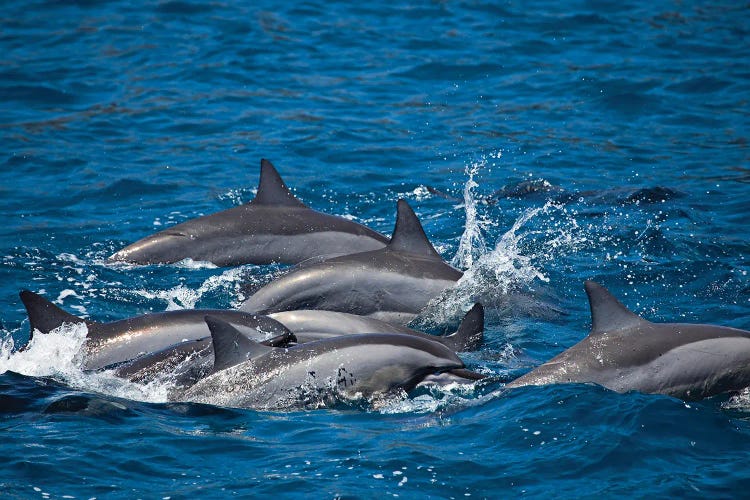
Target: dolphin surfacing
(309,325)
(274,227)
(115,342)
(624,352)
(392,284)
(318,373)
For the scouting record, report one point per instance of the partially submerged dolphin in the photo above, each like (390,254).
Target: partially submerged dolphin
(309,325)
(392,284)
(319,373)
(274,227)
(189,361)
(116,342)
(625,352)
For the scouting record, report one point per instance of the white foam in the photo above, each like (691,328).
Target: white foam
(183,297)
(58,355)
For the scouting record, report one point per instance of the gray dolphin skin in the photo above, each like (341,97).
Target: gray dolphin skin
(274,227)
(317,373)
(116,342)
(392,284)
(625,352)
(187,362)
(309,325)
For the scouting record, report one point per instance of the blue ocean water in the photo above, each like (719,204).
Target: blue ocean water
(540,143)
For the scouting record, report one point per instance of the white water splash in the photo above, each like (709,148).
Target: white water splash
(438,398)
(182,297)
(58,355)
(515,265)
(472,243)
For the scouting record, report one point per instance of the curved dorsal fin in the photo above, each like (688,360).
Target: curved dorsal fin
(272,190)
(283,336)
(408,235)
(608,313)
(45,316)
(470,333)
(230,346)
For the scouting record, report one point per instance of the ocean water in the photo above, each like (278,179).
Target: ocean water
(541,144)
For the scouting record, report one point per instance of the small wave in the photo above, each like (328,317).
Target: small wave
(183,297)
(59,355)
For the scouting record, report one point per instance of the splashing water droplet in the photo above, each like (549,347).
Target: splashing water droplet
(472,243)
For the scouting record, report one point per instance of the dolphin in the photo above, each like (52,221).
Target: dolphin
(309,325)
(316,373)
(392,284)
(274,227)
(624,352)
(116,342)
(189,361)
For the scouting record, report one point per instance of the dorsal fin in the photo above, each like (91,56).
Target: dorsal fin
(283,336)
(230,346)
(272,190)
(45,316)
(608,313)
(282,340)
(269,326)
(470,333)
(408,235)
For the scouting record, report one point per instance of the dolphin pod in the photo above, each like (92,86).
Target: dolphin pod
(191,360)
(332,328)
(624,352)
(178,343)
(274,227)
(392,284)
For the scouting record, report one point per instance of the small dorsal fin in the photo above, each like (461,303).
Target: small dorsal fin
(282,340)
(608,313)
(470,333)
(230,346)
(45,316)
(269,326)
(408,235)
(272,190)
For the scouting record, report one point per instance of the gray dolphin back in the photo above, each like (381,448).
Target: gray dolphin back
(392,284)
(273,227)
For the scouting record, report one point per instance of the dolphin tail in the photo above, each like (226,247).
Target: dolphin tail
(470,333)
(44,316)
(230,346)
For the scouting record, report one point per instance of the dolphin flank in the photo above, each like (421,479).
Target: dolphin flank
(318,373)
(309,325)
(392,284)
(624,352)
(116,342)
(274,227)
